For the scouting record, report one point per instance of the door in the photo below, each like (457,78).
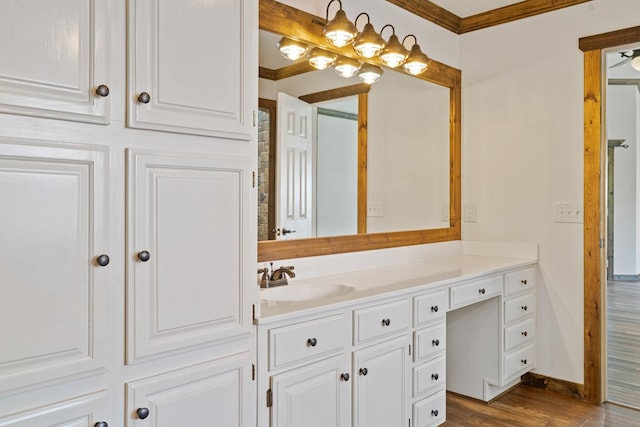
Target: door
(188,218)
(55,55)
(191,65)
(317,395)
(55,283)
(381,388)
(212,394)
(294,176)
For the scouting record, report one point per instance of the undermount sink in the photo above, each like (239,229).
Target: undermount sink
(304,292)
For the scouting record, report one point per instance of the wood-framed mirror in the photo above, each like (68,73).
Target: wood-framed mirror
(281,19)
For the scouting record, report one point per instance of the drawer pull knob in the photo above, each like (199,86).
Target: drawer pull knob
(524,361)
(524,334)
(434,413)
(345,377)
(435,342)
(482,291)
(102,260)
(144,256)
(524,281)
(434,309)
(386,322)
(364,371)
(101,424)
(435,377)
(524,308)
(102,90)
(312,342)
(144,98)
(142,413)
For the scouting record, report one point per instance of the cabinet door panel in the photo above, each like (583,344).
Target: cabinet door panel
(212,394)
(55,54)
(381,395)
(313,396)
(189,214)
(81,411)
(194,60)
(52,226)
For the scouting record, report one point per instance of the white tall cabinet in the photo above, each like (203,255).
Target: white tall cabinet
(127,228)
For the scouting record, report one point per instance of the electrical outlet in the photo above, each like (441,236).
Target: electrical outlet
(470,214)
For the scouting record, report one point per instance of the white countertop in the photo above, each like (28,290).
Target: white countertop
(391,281)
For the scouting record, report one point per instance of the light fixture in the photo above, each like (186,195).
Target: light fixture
(367,43)
(417,62)
(346,67)
(339,31)
(369,73)
(393,54)
(291,49)
(635,62)
(320,59)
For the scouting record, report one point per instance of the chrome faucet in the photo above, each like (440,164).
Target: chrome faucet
(279,277)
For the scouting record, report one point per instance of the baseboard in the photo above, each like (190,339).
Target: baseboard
(626,277)
(553,384)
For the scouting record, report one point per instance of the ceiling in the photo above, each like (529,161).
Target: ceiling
(464,8)
(463,16)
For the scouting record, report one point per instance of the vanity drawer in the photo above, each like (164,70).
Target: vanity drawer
(519,333)
(429,377)
(519,362)
(519,307)
(380,320)
(430,411)
(429,307)
(475,291)
(430,342)
(519,281)
(307,340)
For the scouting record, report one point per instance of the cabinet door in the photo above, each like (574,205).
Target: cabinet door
(53,226)
(381,392)
(211,394)
(314,396)
(196,63)
(187,283)
(54,56)
(82,411)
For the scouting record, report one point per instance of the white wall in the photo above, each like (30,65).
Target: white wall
(622,121)
(523,151)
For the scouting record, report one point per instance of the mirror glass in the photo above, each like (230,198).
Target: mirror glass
(407,168)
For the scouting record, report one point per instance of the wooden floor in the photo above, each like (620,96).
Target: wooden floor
(623,343)
(526,406)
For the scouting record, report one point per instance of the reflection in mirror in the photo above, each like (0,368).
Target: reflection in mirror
(281,19)
(406,165)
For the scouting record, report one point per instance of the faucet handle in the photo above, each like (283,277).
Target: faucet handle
(264,280)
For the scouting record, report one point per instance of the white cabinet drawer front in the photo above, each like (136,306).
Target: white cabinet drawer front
(375,322)
(519,307)
(430,412)
(475,291)
(430,307)
(519,333)
(430,342)
(519,362)
(82,411)
(519,281)
(307,340)
(429,377)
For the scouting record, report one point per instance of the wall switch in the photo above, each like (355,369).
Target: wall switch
(568,212)
(374,210)
(470,212)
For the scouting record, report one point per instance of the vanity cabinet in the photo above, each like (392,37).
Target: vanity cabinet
(192,67)
(56,59)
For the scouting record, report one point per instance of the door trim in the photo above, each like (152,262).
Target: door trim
(593,207)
